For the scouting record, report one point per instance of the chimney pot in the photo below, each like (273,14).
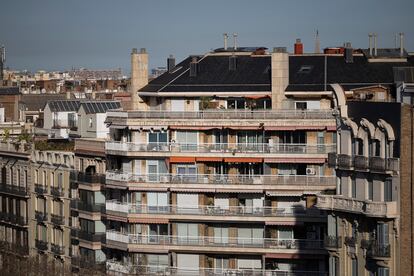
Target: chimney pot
(134,50)
(193,67)
(348,53)
(375,45)
(235,41)
(143,50)
(225,41)
(298,47)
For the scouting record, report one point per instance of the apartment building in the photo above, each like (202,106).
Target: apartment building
(50,206)
(218,169)
(88,205)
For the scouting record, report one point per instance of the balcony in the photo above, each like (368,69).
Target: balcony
(15,248)
(361,163)
(13,219)
(88,179)
(40,216)
(350,241)
(40,189)
(57,249)
(18,149)
(225,181)
(345,162)
(41,245)
(350,205)
(213,243)
(57,219)
(376,250)
(88,207)
(15,190)
(384,165)
(131,269)
(332,242)
(57,191)
(332,159)
(225,149)
(91,237)
(233,211)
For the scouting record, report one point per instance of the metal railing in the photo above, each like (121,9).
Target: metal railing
(13,219)
(214,241)
(129,208)
(127,268)
(223,179)
(41,245)
(57,191)
(16,147)
(332,241)
(88,236)
(345,161)
(222,148)
(57,219)
(361,162)
(15,190)
(88,207)
(40,189)
(57,249)
(40,216)
(223,114)
(376,249)
(90,178)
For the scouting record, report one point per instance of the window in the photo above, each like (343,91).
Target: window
(249,137)
(305,69)
(250,235)
(41,232)
(301,105)
(157,202)
(293,137)
(354,264)
(236,103)
(370,189)
(221,235)
(187,232)
(353,187)
(285,233)
(221,263)
(334,266)
(60,180)
(157,137)
(387,190)
(156,230)
(187,140)
(383,271)
(382,234)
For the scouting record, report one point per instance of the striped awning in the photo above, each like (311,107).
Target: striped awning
(295,160)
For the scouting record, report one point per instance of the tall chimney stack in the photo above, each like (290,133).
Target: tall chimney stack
(170,63)
(298,47)
(401,44)
(375,45)
(225,36)
(139,76)
(235,41)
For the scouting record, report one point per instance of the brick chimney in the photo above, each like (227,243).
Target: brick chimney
(298,47)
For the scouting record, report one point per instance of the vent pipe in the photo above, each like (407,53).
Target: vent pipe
(225,36)
(170,63)
(235,41)
(401,44)
(370,43)
(375,45)
(193,67)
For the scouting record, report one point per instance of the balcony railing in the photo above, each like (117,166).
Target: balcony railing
(332,242)
(15,147)
(350,205)
(332,159)
(377,250)
(345,161)
(214,241)
(264,148)
(87,178)
(57,191)
(41,245)
(380,164)
(40,189)
(57,249)
(88,207)
(126,268)
(361,162)
(57,219)
(13,219)
(20,249)
(128,208)
(224,179)
(15,190)
(227,114)
(350,241)
(40,216)
(92,237)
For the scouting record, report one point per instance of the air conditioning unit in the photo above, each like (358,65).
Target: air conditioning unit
(310,171)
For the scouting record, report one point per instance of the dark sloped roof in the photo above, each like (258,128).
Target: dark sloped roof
(64,105)
(9,90)
(36,102)
(92,107)
(213,75)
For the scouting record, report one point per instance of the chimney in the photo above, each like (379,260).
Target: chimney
(279,76)
(298,47)
(193,67)
(139,76)
(235,41)
(370,43)
(170,63)
(232,63)
(401,44)
(225,36)
(348,53)
(375,45)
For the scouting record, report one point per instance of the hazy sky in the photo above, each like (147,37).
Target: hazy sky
(59,34)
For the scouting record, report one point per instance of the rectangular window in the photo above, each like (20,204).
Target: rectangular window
(354,264)
(221,235)
(383,271)
(370,189)
(387,190)
(382,234)
(353,187)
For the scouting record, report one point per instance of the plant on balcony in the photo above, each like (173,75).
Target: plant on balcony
(6,135)
(205,103)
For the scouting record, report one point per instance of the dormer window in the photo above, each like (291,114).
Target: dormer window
(305,69)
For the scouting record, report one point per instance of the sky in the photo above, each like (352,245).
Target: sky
(99,34)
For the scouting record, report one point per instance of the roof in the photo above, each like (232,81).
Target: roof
(253,73)
(213,75)
(36,102)
(92,107)
(63,105)
(9,90)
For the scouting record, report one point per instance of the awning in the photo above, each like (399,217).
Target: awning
(256,96)
(148,220)
(239,191)
(295,160)
(284,223)
(209,159)
(283,193)
(187,190)
(179,159)
(117,127)
(243,160)
(245,127)
(196,127)
(149,189)
(292,128)
(116,218)
(331,128)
